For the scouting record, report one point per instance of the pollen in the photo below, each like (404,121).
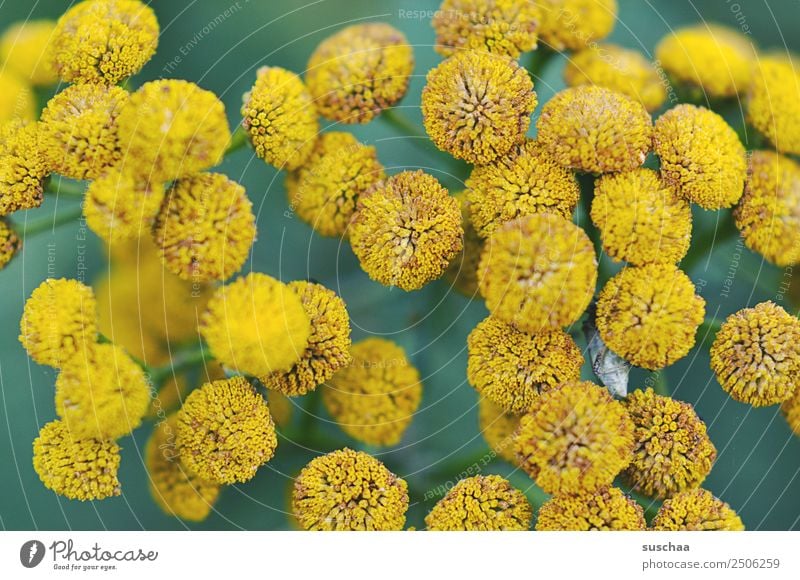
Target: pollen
(575,24)
(538,272)
(595,130)
(406,230)
(511,367)
(696,510)
(349,490)
(607,509)
(10,243)
(26,49)
(649,315)
(498,428)
(773,104)
(463,270)
(481,503)
(360,71)
(477,106)
(225,432)
(756,355)
(23,168)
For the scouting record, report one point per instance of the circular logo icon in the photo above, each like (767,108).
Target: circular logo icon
(31,553)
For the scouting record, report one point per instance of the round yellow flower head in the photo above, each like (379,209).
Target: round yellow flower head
(406,230)
(574,24)
(79,130)
(102,394)
(712,59)
(225,432)
(773,104)
(349,490)
(205,228)
(619,69)
(256,325)
(119,206)
(696,510)
(104,41)
(23,168)
(481,503)
(477,106)
(768,215)
(641,219)
(374,398)
(328,347)
(463,270)
(26,48)
(505,27)
(538,272)
(360,71)
(595,130)
(525,181)
(175,490)
(701,156)
(576,438)
(83,469)
(756,355)
(511,367)
(605,509)
(325,190)
(649,315)
(172,128)
(17,99)
(9,243)
(280,118)
(791,411)
(673,452)
(498,428)
(58,322)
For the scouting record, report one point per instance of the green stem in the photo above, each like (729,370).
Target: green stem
(660,385)
(50,224)
(239,140)
(180,362)
(403,124)
(708,329)
(538,60)
(61,188)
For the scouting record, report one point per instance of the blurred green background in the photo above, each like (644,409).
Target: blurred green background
(221,43)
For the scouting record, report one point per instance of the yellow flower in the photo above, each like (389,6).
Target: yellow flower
(673,452)
(710,58)
(83,469)
(328,347)
(512,368)
(701,156)
(22,167)
(574,24)
(25,47)
(649,315)
(119,206)
(360,71)
(641,219)
(538,272)
(477,106)
(605,509)
(498,428)
(525,181)
(374,398)
(406,230)
(505,27)
(481,503)
(104,41)
(595,130)
(576,438)
(463,270)
(9,243)
(756,355)
(349,490)
(619,69)
(79,130)
(256,325)
(325,190)
(205,228)
(171,129)
(102,394)
(280,118)
(696,510)
(225,432)
(773,104)
(791,411)
(768,215)
(174,489)
(17,100)
(58,322)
